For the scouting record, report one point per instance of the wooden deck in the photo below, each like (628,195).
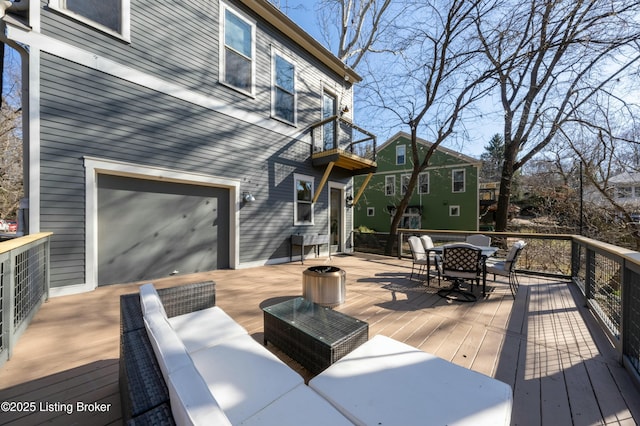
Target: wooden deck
(561,368)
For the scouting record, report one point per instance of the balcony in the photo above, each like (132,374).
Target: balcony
(568,345)
(339,142)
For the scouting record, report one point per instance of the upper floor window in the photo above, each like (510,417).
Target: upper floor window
(423,183)
(237,55)
(284,89)
(390,185)
(303,205)
(329,109)
(405,183)
(401,154)
(111,16)
(457,181)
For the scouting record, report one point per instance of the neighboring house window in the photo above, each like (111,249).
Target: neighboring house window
(112,16)
(401,154)
(411,219)
(457,178)
(371,211)
(303,194)
(390,185)
(405,183)
(454,210)
(624,192)
(423,183)
(284,89)
(238,51)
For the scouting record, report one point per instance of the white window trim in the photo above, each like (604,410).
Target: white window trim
(274,53)
(296,178)
(371,211)
(60,7)
(398,147)
(428,183)
(221,48)
(451,212)
(464,180)
(393,186)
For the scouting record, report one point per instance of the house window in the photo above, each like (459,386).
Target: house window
(457,181)
(238,52)
(371,211)
(390,185)
(405,183)
(284,89)
(423,183)
(112,16)
(624,191)
(454,210)
(401,154)
(411,219)
(329,109)
(303,194)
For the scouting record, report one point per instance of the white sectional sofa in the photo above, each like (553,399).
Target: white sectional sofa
(185,361)
(218,374)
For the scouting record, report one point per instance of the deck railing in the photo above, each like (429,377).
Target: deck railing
(24,286)
(608,277)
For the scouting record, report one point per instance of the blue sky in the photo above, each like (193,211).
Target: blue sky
(480,131)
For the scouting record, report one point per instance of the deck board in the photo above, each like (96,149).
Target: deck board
(545,345)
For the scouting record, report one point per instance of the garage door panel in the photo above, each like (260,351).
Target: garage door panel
(150,229)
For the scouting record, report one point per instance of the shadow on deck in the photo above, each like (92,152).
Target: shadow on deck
(562,369)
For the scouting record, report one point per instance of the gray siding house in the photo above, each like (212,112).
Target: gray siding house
(175,137)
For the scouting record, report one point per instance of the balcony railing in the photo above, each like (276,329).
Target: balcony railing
(24,285)
(608,277)
(336,139)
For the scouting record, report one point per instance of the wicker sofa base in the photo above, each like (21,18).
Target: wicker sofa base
(143,391)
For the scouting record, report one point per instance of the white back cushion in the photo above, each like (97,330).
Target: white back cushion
(150,300)
(169,349)
(191,401)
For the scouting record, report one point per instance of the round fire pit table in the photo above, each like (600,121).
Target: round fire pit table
(324,285)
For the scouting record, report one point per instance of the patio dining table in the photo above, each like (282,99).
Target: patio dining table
(487,251)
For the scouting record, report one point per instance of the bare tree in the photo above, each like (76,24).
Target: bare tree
(551,58)
(435,72)
(11,178)
(607,147)
(353,27)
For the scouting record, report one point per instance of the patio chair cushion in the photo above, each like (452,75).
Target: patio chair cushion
(244,376)
(190,399)
(298,406)
(169,349)
(388,382)
(205,328)
(150,300)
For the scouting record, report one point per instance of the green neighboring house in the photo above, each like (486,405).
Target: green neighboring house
(446,196)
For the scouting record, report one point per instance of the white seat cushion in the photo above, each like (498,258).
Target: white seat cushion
(190,399)
(205,328)
(167,346)
(497,267)
(388,382)
(298,406)
(244,376)
(150,300)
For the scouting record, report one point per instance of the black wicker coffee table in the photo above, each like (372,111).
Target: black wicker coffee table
(313,335)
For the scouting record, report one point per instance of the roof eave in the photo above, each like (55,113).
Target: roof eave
(289,28)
